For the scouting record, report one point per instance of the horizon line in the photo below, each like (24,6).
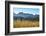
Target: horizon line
(28,13)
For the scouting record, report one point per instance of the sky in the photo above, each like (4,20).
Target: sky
(26,10)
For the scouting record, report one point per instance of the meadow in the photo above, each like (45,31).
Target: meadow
(25,23)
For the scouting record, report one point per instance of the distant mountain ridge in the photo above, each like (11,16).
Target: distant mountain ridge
(25,16)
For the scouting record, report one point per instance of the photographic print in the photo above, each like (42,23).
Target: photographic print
(27,17)
(24,17)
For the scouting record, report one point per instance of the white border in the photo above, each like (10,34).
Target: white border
(24,29)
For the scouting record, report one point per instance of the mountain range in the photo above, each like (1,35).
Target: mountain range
(22,15)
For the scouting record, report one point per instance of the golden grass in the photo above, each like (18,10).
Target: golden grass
(25,23)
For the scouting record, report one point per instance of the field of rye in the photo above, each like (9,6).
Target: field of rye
(25,23)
